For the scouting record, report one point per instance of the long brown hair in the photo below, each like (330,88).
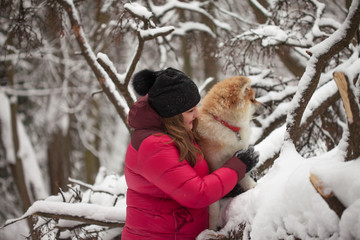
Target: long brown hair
(183,138)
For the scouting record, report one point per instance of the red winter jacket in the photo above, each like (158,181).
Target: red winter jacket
(166,199)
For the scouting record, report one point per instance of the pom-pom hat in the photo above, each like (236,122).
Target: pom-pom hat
(170,91)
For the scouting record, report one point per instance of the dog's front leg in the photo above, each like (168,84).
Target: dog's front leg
(247,182)
(214,214)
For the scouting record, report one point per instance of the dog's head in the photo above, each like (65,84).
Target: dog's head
(232,99)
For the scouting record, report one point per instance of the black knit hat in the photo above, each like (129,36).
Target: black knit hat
(170,91)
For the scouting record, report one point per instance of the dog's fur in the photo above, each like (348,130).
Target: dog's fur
(231,100)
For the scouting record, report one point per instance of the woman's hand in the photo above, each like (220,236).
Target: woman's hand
(250,157)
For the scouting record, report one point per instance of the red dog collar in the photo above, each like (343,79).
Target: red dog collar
(231,127)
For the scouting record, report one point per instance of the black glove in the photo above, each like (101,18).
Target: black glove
(250,157)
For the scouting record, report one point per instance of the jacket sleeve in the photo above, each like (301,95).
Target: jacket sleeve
(158,162)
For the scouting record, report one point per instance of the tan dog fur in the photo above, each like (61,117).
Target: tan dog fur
(231,100)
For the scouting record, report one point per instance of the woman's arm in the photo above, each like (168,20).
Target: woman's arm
(158,163)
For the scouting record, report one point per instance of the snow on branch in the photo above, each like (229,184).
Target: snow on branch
(329,181)
(261,8)
(193,26)
(138,10)
(203,86)
(82,212)
(329,197)
(101,204)
(117,79)
(320,7)
(112,69)
(101,75)
(271,35)
(195,6)
(233,15)
(350,97)
(346,94)
(149,34)
(327,94)
(115,85)
(320,55)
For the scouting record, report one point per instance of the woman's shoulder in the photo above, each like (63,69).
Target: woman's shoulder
(158,151)
(158,139)
(157,143)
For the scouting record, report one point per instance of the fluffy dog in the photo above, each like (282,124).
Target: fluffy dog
(224,127)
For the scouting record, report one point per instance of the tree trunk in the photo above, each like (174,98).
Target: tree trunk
(59,160)
(92,162)
(208,49)
(17,167)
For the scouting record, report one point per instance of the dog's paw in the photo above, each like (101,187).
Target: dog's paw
(247,182)
(210,235)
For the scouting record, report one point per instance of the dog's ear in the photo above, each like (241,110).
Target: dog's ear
(233,91)
(249,93)
(227,94)
(246,89)
(231,94)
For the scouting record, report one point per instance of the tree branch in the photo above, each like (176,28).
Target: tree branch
(352,113)
(333,202)
(320,55)
(89,55)
(82,212)
(83,219)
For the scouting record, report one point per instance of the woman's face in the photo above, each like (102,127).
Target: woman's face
(189,117)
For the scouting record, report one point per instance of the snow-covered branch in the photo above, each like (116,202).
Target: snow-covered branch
(194,6)
(102,204)
(350,99)
(320,55)
(261,8)
(148,32)
(80,212)
(101,75)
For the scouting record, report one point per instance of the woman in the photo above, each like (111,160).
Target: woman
(169,185)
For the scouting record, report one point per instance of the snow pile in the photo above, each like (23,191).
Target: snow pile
(285,205)
(102,204)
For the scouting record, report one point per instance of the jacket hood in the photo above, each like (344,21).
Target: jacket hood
(143,116)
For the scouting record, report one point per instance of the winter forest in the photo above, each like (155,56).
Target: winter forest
(65,91)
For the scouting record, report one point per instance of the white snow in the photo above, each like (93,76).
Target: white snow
(193,6)
(6,122)
(109,63)
(103,202)
(273,35)
(153,32)
(86,210)
(349,219)
(285,204)
(191,26)
(139,10)
(33,178)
